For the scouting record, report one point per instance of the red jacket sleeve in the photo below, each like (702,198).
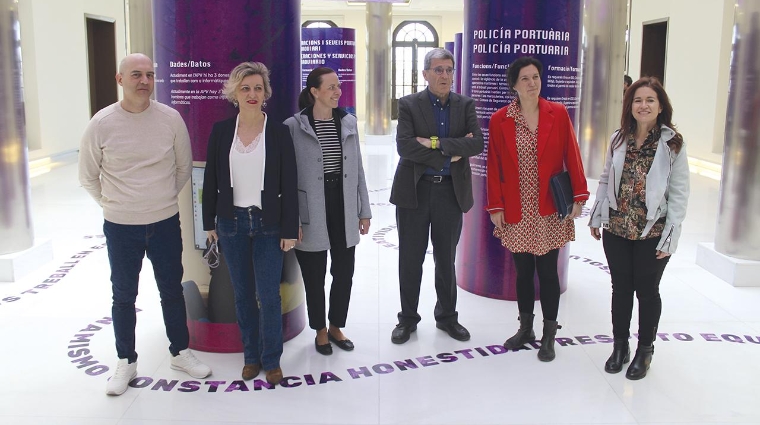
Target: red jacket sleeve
(494,170)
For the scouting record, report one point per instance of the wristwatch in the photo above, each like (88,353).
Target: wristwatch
(433,142)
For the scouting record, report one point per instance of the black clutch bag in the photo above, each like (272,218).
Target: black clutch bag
(562,191)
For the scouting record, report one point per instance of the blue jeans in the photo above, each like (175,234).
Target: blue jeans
(127,245)
(253,255)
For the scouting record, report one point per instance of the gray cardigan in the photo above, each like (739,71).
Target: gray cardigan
(311,189)
(667,189)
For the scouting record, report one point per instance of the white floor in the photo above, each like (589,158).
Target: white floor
(705,368)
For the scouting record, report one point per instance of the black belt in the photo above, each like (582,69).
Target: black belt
(332,177)
(436,179)
(251,208)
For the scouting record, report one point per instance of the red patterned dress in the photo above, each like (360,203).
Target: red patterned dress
(534,233)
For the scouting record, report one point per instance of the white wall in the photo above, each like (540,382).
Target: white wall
(696,69)
(55,68)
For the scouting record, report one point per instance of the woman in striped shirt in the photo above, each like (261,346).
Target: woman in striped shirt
(333,203)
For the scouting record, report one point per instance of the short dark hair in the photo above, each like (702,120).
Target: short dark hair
(627,80)
(514,69)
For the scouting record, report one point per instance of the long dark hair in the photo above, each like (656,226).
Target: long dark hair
(628,123)
(313,80)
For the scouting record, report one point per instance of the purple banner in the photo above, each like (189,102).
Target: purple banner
(495,34)
(197,44)
(449,45)
(458,68)
(334,48)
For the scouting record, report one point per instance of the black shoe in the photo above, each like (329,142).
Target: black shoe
(640,363)
(344,344)
(455,330)
(402,332)
(621,354)
(546,353)
(524,335)
(325,349)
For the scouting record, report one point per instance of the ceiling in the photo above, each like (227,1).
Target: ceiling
(414,5)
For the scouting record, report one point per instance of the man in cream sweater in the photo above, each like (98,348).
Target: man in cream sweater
(134,159)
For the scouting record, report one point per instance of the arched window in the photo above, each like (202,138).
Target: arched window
(319,24)
(411,41)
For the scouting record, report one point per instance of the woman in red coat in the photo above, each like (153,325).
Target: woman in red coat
(532,139)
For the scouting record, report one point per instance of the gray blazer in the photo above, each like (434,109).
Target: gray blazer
(311,189)
(416,119)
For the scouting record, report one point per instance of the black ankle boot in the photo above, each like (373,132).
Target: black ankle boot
(524,335)
(640,363)
(546,352)
(621,354)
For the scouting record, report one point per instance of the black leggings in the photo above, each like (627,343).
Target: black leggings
(527,265)
(634,268)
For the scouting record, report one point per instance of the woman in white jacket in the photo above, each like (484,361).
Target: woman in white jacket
(641,203)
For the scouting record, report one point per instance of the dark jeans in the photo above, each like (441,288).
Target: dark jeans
(527,265)
(439,218)
(127,245)
(314,265)
(254,258)
(634,268)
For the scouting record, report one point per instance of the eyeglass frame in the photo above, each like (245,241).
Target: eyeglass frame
(439,70)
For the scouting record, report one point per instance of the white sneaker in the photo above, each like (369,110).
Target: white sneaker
(124,373)
(188,363)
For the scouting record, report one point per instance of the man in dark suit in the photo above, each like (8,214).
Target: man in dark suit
(437,132)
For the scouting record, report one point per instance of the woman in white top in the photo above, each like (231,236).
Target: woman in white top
(250,205)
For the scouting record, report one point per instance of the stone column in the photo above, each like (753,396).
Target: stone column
(378,86)
(738,229)
(602,69)
(15,195)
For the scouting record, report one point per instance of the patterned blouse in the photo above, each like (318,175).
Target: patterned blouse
(631,216)
(534,233)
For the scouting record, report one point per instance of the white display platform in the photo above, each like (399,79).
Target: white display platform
(16,265)
(386,139)
(735,271)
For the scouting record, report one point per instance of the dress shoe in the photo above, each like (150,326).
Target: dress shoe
(455,330)
(402,332)
(344,344)
(251,371)
(274,376)
(324,349)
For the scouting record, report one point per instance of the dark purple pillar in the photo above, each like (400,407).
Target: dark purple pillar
(496,33)
(196,45)
(199,42)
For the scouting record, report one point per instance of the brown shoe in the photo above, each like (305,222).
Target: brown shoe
(251,371)
(274,376)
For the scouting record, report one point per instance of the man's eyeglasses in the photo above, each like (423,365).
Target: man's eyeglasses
(439,70)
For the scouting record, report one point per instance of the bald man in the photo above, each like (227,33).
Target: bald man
(134,159)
